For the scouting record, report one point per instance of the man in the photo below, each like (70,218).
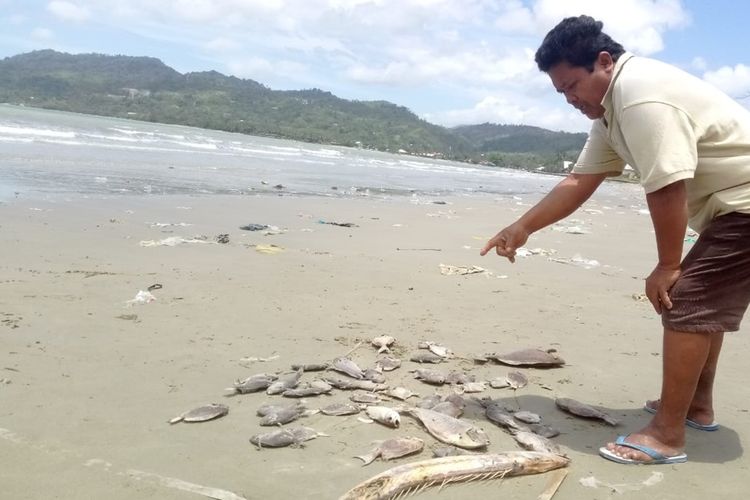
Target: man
(690,143)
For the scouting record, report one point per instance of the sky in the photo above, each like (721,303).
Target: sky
(452,62)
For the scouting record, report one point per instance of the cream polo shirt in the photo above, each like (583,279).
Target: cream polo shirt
(669,126)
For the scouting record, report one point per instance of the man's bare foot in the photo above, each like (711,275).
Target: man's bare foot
(699,415)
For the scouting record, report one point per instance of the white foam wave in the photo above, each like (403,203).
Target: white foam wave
(36,132)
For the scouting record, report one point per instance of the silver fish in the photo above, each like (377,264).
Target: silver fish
(387,363)
(311,367)
(340,409)
(527,417)
(284,437)
(426,357)
(347,367)
(401,393)
(450,430)
(529,357)
(516,380)
(583,410)
(409,478)
(365,397)
(384,415)
(455,377)
(202,413)
(428,376)
(448,408)
(253,383)
(535,442)
(314,388)
(348,385)
(373,375)
(282,415)
(393,448)
(285,382)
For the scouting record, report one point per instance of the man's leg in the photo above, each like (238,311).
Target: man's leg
(701,408)
(684,359)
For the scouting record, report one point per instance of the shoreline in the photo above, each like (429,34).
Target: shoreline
(93,381)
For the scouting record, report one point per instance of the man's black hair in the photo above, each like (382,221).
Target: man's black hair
(577,41)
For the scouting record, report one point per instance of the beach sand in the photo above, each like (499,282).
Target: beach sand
(89,381)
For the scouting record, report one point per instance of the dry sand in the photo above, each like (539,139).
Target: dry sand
(89,382)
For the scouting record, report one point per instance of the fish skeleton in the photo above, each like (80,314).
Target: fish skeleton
(416,476)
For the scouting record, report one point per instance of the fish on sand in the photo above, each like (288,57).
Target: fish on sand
(416,476)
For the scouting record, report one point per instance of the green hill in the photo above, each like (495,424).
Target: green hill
(144,88)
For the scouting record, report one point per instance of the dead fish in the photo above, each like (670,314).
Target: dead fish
(429,376)
(440,350)
(448,408)
(584,410)
(285,382)
(470,387)
(426,357)
(347,367)
(450,430)
(496,414)
(479,359)
(527,417)
(280,415)
(253,383)
(284,437)
(374,375)
(387,363)
(314,388)
(384,415)
(529,357)
(516,380)
(365,397)
(401,393)
(499,383)
(430,401)
(416,476)
(544,430)
(383,343)
(455,377)
(456,399)
(349,385)
(311,367)
(392,448)
(340,409)
(202,413)
(535,442)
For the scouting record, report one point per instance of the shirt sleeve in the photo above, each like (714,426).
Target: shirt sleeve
(662,142)
(597,156)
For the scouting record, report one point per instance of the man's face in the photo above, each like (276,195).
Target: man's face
(582,89)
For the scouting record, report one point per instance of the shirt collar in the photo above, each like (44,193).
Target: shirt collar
(607,99)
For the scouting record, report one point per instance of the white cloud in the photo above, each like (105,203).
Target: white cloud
(513,110)
(735,81)
(480,48)
(264,70)
(42,34)
(68,11)
(699,64)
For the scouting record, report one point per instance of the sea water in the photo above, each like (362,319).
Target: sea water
(53,152)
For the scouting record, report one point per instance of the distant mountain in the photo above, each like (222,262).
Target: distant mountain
(144,88)
(519,138)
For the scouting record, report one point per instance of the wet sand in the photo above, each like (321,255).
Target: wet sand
(89,382)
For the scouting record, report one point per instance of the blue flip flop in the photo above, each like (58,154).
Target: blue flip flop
(690,423)
(656,457)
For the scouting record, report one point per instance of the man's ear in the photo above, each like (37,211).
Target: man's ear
(605,60)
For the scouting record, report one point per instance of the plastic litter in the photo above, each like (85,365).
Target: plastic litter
(142,297)
(448,270)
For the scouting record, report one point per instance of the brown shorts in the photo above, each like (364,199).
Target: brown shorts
(713,290)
